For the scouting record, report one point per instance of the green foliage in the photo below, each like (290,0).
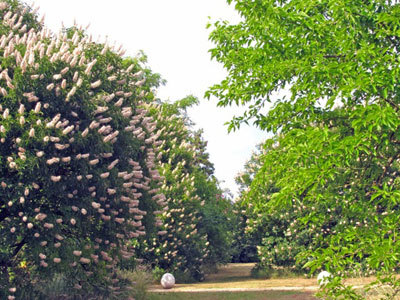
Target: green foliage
(157,273)
(217,223)
(323,51)
(245,241)
(77,166)
(261,272)
(247,237)
(332,167)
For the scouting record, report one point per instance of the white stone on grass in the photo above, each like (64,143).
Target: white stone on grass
(167,281)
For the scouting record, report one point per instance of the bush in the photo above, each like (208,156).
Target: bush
(140,279)
(261,272)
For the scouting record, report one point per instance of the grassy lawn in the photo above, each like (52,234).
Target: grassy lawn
(267,295)
(234,276)
(238,276)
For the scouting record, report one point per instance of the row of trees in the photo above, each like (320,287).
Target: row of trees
(197,222)
(326,184)
(96,174)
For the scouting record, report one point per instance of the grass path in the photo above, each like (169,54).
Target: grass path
(233,281)
(236,277)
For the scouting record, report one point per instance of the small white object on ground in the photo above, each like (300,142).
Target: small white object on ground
(323,278)
(167,281)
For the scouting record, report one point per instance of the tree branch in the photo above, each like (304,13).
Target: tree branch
(19,247)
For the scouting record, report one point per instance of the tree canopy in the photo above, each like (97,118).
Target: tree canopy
(323,52)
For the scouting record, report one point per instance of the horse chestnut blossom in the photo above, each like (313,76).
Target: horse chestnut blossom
(84,260)
(75,98)
(95,84)
(48,225)
(104,175)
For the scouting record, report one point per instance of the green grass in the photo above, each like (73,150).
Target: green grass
(263,295)
(234,276)
(238,275)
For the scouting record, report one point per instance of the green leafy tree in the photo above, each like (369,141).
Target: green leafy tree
(247,238)
(271,238)
(280,237)
(336,131)
(77,158)
(217,222)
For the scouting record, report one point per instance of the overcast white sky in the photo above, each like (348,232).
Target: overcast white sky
(173,35)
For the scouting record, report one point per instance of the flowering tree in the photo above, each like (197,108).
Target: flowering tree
(190,239)
(78,178)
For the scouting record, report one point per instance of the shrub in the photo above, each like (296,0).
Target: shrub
(140,279)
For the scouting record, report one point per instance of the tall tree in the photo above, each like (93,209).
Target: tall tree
(336,145)
(77,157)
